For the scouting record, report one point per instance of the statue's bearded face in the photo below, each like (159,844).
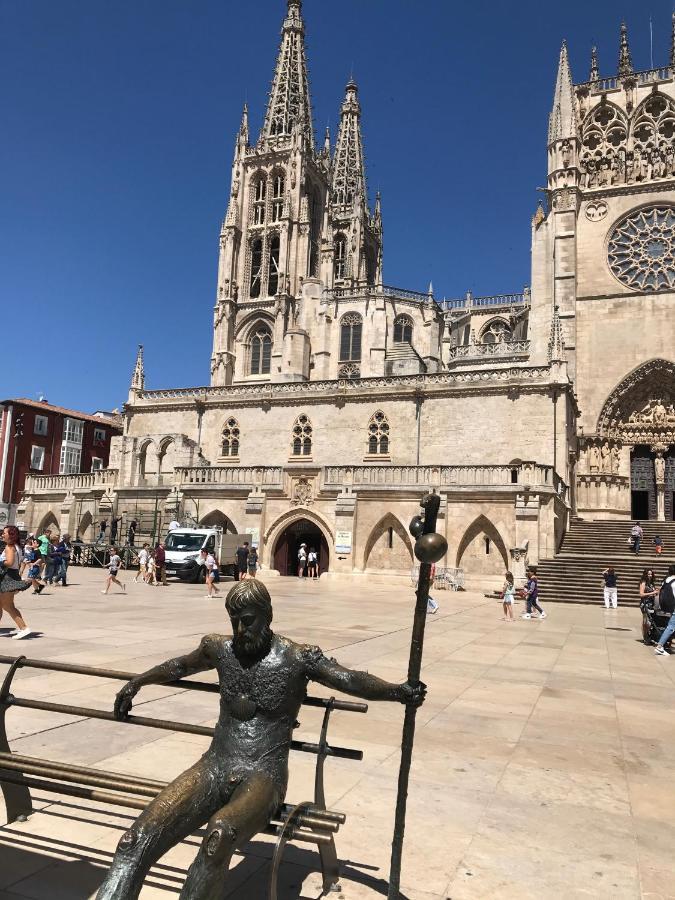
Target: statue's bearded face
(251,632)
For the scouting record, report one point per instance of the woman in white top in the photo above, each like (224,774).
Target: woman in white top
(114,566)
(508,596)
(10,583)
(212,573)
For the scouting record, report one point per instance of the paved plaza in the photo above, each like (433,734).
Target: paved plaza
(543,760)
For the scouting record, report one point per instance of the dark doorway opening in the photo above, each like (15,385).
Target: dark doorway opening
(288,545)
(639,505)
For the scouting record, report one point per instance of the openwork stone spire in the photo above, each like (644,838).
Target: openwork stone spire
(595,72)
(672,44)
(289,104)
(556,343)
(349,176)
(562,122)
(625,61)
(138,378)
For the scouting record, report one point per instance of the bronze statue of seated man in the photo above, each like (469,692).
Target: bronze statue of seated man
(238,784)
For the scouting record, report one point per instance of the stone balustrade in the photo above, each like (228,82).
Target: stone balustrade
(601,493)
(103,478)
(237,476)
(502,349)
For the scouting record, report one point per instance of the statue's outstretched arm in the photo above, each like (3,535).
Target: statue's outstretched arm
(198,661)
(359,684)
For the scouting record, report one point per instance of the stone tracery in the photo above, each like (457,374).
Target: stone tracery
(641,249)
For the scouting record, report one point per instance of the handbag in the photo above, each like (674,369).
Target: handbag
(9,583)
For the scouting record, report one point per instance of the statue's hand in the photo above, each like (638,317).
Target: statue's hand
(124,700)
(413,695)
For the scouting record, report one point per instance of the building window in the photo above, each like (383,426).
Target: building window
(96,464)
(70,460)
(278,190)
(378,435)
(349,371)
(403,329)
(231,433)
(41,425)
(302,437)
(340,257)
(261,350)
(99,435)
(273,276)
(259,200)
(351,327)
(495,332)
(73,430)
(37,458)
(256,267)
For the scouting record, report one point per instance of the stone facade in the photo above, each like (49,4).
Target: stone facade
(336,400)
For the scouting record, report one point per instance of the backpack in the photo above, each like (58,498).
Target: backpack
(666,597)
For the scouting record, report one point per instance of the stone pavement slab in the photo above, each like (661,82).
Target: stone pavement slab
(543,760)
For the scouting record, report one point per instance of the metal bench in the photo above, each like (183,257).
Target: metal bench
(308,821)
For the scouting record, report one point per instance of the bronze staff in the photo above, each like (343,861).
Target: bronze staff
(429,548)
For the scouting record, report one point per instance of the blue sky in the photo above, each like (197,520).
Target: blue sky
(119,121)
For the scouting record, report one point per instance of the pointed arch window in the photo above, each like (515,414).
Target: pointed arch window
(302,437)
(350,371)
(255,288)
(340,257)
(230,438)
(495,332)
(351,328)
(259,200)
(403,329)
(273,271)
(278,193)
(378,435)
(261,349)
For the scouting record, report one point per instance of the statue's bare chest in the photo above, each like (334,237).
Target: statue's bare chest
(273,685)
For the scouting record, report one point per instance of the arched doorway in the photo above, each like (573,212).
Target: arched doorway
(302,531)
(642,483)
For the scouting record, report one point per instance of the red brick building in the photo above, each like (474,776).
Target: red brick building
(37,438)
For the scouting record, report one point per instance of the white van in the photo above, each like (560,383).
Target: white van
(183,556)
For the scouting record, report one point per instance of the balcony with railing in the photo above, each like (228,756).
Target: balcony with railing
(102,478)
(477,353)
(614,82)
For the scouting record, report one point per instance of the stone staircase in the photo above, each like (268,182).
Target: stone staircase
(403,359)
(575,574)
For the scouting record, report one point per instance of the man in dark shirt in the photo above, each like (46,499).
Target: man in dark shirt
(160,564)
(242,560)
(611,593)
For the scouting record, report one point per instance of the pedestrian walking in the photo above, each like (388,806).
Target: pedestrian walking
(212,574)
(610,590)
(30,567)
(143,557)
(64,548)
(312,563)
(151,575)
(532,596)
(636,537)
(43,542)
(28,555)
(252,562)
(10,583)
(114,565)
(160,565)
(302,560)
(648,589)
(131,532)
(242,560)
(508,596)
(658,545)
(53,563)
(667,604)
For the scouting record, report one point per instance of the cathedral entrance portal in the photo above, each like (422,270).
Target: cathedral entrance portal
(286,550)
(642,484)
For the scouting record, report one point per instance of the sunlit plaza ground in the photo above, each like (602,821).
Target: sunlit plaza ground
(544,756)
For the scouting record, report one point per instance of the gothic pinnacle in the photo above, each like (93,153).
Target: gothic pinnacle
(625,61)
(595,72)
(138,378)
(562,123)
(349,177)
(672,45)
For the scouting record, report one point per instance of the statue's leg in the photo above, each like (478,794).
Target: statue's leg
(250,808)
(181,808)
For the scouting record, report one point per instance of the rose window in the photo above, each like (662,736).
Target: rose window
(641,250)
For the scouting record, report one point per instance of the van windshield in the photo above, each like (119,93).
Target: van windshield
(184,542)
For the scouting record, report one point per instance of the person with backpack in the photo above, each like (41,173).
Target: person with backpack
(667,604)
(636,537)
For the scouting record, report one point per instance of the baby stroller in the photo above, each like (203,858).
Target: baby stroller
(654,621)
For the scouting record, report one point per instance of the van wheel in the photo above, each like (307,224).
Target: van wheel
(201,575)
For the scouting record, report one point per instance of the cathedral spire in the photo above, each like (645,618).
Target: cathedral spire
(562,122)
(289,104)
(556,343)
(595,72)
(138,377)
(672,45)
(625,61)
(349,176)
(243,128)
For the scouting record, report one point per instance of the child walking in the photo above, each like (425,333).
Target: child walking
(508,596)
(114,566)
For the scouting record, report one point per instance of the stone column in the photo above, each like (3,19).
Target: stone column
(660,478)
